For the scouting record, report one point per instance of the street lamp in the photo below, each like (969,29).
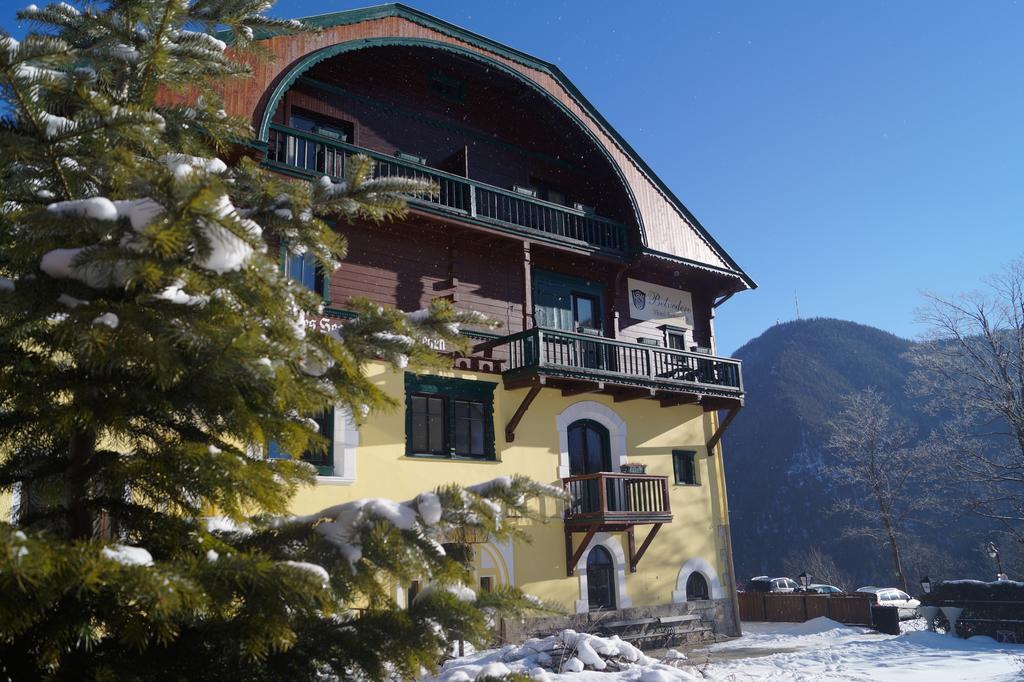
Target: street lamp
(805,580)
(993,553)
(926,585)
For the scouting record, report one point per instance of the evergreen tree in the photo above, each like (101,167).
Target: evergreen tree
(150,348)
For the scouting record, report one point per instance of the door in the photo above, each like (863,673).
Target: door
(600,579)
(569,304)
(586,319)
(590,453)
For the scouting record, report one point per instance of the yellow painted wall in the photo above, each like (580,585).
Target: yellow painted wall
(383,470)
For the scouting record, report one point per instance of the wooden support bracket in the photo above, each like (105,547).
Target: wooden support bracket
(584,387)
(634,394)
(510,428)
(571,557)
(635,556)
(684,399)
(720,431)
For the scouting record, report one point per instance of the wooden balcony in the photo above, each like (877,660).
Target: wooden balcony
(616,503)
(300,152)
(616,500)
(580,363)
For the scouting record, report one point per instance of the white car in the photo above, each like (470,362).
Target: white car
(890,596)
(818,588)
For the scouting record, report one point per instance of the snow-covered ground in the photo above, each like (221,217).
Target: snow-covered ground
(820,649)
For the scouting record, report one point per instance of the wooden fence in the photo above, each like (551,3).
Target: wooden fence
(796,608)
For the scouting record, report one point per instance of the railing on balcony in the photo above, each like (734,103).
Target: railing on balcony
(316,154)
(610,497)
(595,357)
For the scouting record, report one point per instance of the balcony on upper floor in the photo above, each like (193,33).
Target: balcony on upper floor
(581,363)
(309,154)
(613,500)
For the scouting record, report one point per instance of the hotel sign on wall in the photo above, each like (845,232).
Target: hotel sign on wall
(654,302)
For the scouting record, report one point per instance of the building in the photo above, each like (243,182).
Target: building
(605,285)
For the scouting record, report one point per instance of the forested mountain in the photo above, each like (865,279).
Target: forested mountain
(796,375)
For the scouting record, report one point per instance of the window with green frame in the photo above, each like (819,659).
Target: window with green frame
(449,418)
(323,460)
(684,465)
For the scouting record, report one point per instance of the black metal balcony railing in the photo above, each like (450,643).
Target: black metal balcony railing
(609,497)
(594,357)
(316,154)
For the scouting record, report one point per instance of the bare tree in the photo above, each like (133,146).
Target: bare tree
(971,366)
(886,474)
(820,566)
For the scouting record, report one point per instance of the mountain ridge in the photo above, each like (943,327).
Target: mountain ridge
(795,376)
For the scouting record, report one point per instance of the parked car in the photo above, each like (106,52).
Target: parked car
(890,596)
(763,583)
(818,588)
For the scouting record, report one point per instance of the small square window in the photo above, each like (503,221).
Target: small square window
(323,460)
(486,585)
(684,464)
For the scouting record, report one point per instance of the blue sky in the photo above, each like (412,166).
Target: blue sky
(851,154)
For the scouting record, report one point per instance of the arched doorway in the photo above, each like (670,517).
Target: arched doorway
(600,579)
(697,587)
(589,453)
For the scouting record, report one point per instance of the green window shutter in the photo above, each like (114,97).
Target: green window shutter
(468,416)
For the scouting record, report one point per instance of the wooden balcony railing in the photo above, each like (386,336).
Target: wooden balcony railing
(610,498)
(458,196)
(560,353)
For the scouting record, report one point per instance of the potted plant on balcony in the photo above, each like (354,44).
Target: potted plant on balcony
(633,468)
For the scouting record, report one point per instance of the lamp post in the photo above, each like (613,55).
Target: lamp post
(993,553)
(927,610)
(805,580)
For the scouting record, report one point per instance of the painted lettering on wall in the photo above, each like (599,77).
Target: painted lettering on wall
(322,324)
(654,302)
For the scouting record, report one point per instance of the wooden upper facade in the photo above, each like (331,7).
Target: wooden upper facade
(546,220)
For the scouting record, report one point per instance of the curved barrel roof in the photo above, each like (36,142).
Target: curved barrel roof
(667,228)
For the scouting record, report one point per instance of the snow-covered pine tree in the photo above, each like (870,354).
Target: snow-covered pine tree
(150,348)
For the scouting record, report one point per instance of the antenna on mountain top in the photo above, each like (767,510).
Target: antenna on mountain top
(796,299)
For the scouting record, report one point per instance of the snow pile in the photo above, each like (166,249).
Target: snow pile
(140,212)
(107,320)
(175,294)
(97,208)
(461,592)
(348,520)
(183,165)
(826,650)
(228,251)
(567,655)
(316,569)
(128,555)
(429,506)
(222,524)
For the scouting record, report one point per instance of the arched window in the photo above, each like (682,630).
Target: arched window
(600,579)
(696,587)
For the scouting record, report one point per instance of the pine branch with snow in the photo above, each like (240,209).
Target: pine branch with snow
(151,348)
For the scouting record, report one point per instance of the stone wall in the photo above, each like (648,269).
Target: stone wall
(715,620)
